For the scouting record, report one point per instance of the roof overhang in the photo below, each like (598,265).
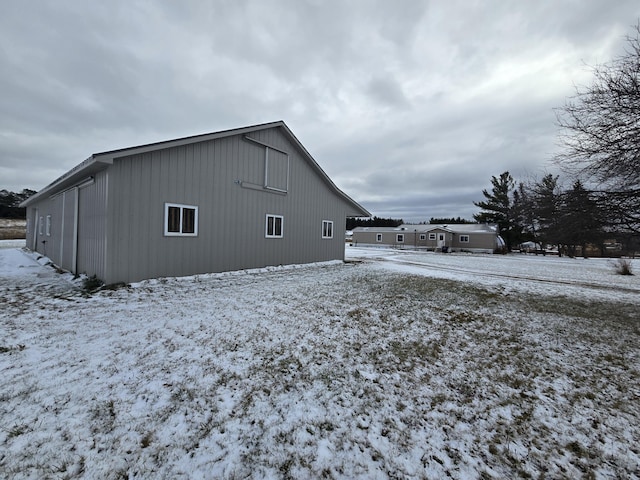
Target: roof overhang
(100,161)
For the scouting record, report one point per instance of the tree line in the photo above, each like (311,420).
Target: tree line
(544,212)
(10,201)
(373,222)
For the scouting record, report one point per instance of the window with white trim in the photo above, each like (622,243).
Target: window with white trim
(327,229)
(180,220)
(379,237)
(274,226)
(464,238)
(48,226)
(41,226)
(400,238)
(423,236)
(432,236)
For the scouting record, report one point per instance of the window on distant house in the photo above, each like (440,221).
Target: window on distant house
(400,238)
(274,226)
(180,220)
(40,226)
(379,237)
(423,236)
(327,229)
(464,238)
(48,226)
(432,236)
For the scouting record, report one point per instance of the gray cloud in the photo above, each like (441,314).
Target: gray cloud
(409,109)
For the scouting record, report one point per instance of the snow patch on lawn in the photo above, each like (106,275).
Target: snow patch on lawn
(394,365)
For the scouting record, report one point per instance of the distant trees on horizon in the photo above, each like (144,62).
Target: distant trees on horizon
(10,201)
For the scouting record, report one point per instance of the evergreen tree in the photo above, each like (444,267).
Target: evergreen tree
(497,206)
(523,222)
(546,204)
(581,221)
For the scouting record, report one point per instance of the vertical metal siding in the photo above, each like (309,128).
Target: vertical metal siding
(69,232)
(92,222)
(231,232)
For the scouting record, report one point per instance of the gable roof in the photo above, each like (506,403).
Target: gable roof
(100,161)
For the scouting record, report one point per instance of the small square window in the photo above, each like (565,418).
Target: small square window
(274,226)
(423,236)
(180,220)
(400,238)
(432,236)
(327,229)
(379,237)
(464,238)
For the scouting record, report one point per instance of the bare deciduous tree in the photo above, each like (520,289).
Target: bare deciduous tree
(600,133)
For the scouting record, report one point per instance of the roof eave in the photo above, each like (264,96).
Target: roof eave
(76,175)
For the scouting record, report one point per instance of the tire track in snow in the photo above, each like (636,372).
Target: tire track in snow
(482,274)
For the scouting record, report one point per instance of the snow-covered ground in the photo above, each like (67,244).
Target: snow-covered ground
(393,365)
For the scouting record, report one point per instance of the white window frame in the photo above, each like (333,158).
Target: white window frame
(47,228)
(327,229)
(378,237)
(423,236)
(266,226)
(432,236)
(464,238)
(182,208)
(400,238)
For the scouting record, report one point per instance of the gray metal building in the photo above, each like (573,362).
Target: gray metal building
(236,199)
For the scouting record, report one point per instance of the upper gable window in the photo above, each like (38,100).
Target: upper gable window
(276,169)
(180,220)
(327,229)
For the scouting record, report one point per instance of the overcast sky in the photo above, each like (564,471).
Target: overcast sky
(409,106)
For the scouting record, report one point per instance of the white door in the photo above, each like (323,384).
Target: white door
(441,240)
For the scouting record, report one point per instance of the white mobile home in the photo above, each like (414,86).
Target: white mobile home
(470,237)
(230,200)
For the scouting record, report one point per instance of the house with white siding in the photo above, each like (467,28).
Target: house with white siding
(236,199)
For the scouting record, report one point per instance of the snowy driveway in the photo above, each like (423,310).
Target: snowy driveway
(536,274)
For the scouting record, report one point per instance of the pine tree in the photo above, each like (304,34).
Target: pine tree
(581,220)
(547,207)
(498,207)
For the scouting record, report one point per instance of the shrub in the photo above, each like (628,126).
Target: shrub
(623,267)
(92,283)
